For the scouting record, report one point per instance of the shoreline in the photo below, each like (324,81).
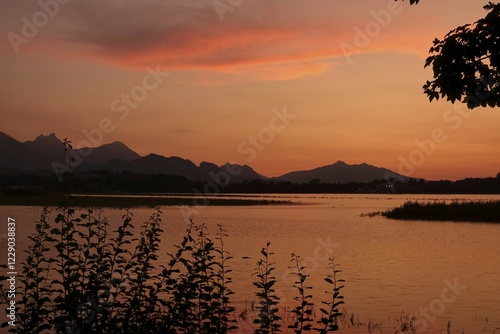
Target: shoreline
(130,201)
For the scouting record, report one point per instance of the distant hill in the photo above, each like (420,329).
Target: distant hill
(158,164)
(14,155)
(340,172)
(115,167)
(40,154)
(106,152)
(246,172)
(150,164)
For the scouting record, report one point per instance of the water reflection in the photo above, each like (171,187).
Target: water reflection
(390,267)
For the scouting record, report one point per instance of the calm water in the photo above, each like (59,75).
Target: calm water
(442,271)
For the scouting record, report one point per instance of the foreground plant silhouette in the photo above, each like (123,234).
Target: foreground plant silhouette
(268,316)
(303,311)
(37,315)
(330,316)
(80,277)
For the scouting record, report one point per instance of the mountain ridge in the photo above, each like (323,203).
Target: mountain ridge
(46,150)
(46,154)
(341,172)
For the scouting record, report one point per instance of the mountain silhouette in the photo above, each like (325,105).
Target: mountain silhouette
(340,172)
(45,144)
(14,155)
(40,155)
(106,152)
(150,164)
(158,164)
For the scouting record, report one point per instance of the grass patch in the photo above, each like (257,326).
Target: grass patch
(128,202)
(464,211)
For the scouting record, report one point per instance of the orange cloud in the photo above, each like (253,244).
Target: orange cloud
(189,35)
(258,39)
(275,41)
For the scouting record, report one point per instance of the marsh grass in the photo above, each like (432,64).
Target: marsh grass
(466,211)
(405,323)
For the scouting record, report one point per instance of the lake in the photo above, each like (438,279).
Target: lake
(441,271)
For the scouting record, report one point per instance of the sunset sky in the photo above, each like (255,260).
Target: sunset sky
(350,73)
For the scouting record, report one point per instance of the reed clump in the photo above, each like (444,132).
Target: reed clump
(464,211)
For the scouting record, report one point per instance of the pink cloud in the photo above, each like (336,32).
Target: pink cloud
(259,39)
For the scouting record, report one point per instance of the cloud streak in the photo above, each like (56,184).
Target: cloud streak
(272,41)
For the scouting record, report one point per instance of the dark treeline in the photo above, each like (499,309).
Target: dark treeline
(412,186)
(105,182)
(101,182)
